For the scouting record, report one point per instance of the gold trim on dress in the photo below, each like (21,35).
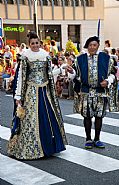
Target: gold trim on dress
(37,123)
(38,85)
(48,114)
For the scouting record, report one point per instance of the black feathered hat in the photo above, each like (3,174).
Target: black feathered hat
(90,39)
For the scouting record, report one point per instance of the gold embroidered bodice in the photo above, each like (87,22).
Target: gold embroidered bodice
(37,72)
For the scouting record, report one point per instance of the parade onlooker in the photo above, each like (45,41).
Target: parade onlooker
(16,48)
(66,54)
(70,62)
(6,73)
(53,47)
(60,73)
(117,74)
(113,54)
(55,66)
(13,51)
(47,47)
(41,44)
(1,69)
(22,48)
(108,46)
(7,53)
(7,69)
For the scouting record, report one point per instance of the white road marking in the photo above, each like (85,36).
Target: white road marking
(83,157)
(18,173)
(112,139)
(5,132)
(106,120)
(9,95)
(89,159)
(113,112)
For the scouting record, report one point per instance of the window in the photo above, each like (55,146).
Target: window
(74,35)
(22,2)
(50,32)
(81,2)
(45,2)
(89,2)
(56,2)
(10,1)
(77,2)
(66,2)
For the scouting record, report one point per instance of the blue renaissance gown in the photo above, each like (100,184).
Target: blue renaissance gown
(41,131)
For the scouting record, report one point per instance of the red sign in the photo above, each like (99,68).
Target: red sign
(10,42)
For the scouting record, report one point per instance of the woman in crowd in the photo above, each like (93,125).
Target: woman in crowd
(40,132)
(7,69)
(22,48)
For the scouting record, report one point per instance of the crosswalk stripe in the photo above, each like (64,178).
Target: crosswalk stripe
(112,139)
(89,159)
(106,120)
(5,133)
(9,95)
(113,112)
(83,157)
(18,173)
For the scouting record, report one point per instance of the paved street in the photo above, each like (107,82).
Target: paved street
(75,166)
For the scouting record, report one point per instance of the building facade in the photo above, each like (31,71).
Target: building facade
(111,19)
(59,20)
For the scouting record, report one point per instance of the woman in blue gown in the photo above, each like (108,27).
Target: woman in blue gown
(41,131)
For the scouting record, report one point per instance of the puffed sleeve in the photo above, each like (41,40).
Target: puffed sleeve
(21,80)
(19,84)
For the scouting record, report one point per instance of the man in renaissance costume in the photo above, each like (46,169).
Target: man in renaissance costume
(96,74)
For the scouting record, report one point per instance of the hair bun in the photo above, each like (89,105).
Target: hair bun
(32,34)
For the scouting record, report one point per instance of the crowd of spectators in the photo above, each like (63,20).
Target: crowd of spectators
(60,59)
(114,53)
(8,65)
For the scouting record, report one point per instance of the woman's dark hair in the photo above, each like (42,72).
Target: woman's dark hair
(113,51)
(108,43)
(55,61)
(32,35)
(67,54)
(53,42)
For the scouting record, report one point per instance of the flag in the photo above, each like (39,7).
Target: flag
(98,30)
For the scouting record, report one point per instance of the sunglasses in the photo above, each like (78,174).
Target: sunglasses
(33,43)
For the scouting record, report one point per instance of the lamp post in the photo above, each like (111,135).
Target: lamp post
(35,16)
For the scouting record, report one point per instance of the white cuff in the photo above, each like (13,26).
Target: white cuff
(56,71)
(19,83)
(110,79)
(17,97)
(72,75)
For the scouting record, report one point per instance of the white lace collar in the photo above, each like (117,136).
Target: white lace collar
(33,56)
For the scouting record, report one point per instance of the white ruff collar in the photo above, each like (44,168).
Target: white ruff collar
(33,56)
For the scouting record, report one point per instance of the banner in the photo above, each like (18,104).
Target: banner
(1,27)
(1,43)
